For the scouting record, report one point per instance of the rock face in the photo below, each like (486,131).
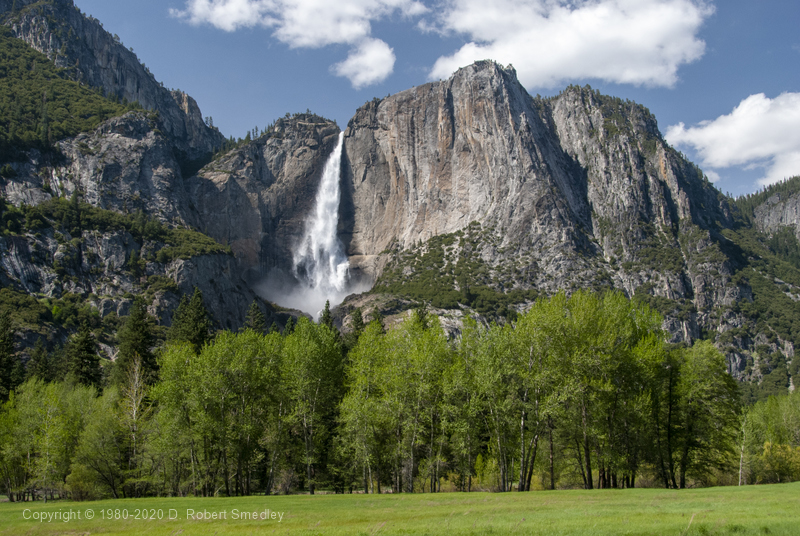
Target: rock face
(477,147)
(97,265)
(93,56)
(779,211)
(432,159)
(579,182)
(126,164)
(257,198)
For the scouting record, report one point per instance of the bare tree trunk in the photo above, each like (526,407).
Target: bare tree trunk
(552,455)
(741,455)
(532,462)
(580,463)
(586,449)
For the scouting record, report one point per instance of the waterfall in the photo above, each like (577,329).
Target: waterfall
(319,262)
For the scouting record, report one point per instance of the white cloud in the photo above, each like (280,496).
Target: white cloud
(313,24)
(227,15)
(299,23)
(550,42)
(368,63)
(759,132)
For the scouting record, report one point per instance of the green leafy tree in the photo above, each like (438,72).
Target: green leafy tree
(366,426)
(102,449)
(238,379)
(770,441)
(175,442)
(709,412)
(462,405)
(134,416)
(225,410)
(49,421)
(491,374)
(313,379)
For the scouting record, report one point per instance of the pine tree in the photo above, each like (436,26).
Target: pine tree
(289,327)
(327,318)
(190,323)
(82,360)
(358,321)
(58,366)
(136,339)
(351,339)
(377,316)
(255,319)
(8,361)
(133,264)
(421,316)
(40,365)
(73,215)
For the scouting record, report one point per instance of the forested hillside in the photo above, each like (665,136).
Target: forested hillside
(39,105)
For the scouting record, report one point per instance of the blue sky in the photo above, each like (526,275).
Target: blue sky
(722,78)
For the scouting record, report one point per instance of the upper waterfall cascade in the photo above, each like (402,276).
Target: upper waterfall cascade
(319,260)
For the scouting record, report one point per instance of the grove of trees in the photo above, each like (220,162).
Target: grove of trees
(580,391)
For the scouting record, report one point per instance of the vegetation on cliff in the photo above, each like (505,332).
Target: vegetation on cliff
(447,271)
(39,105)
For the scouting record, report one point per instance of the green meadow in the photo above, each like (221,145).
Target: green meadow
(770,509)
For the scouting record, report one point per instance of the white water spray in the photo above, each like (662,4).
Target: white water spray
(319,260)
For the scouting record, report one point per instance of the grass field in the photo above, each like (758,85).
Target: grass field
(747,510)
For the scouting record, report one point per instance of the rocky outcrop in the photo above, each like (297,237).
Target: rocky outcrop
(126,164)
(91,55)
(256,198)
(97,265)
(780,210)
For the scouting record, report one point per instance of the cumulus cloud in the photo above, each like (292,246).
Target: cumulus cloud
(313,24)
(227,15)
(371,62)
(553,41)
(759,132)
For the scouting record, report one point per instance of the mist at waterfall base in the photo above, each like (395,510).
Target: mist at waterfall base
(320,269)
(287,291)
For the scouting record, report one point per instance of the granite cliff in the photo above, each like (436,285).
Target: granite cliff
(576,185)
